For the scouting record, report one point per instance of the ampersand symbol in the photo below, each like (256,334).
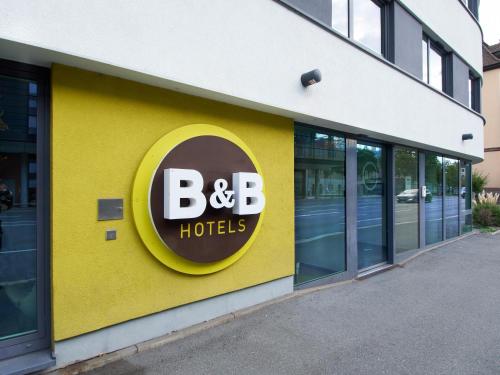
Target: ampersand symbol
(221,198)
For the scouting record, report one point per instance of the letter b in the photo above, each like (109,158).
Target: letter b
(173,192)
(249,198)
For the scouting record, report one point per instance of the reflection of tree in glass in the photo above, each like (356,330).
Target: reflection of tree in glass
(369,170)
(433,173)
(451,174)
(406,166)
(364,156)
(405,161)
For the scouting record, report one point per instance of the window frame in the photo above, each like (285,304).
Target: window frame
(346,273)
(351,198)
(383,5)
(445,72)
(474,92)
(41,339)
(472,6)
(384,26)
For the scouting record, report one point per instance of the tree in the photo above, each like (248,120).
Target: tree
(479,182)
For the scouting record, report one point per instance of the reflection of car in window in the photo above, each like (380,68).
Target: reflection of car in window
(408,196)
(411,196)
(6,198)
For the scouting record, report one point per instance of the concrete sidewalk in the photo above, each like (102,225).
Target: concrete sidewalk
(440,314)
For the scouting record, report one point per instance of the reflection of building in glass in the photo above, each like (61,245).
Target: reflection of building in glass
(17,139)
(18,108)
(319,164)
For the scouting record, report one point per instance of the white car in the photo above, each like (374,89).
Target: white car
(408,196)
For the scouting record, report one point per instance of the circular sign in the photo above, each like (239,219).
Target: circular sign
(216,238)
(370,170)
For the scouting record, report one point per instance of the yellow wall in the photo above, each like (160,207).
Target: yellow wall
(101,128)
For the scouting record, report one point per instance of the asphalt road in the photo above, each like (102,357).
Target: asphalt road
(17,271)
(18,228)
(319,217)
(440,314)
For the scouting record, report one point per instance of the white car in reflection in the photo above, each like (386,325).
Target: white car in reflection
(411,196)
(408,196)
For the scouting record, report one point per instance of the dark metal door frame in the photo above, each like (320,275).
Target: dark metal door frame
(42,338)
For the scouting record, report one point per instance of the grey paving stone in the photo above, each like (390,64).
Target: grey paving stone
(440,314)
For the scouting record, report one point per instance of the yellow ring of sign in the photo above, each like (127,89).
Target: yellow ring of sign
(140,199)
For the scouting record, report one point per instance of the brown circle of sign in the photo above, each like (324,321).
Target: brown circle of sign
(217,233)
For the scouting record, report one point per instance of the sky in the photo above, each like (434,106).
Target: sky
(489,17)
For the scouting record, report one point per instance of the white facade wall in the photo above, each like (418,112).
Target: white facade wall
(252,53)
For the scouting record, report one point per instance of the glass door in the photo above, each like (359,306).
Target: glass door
(451,197)
(434,198)
(23,305)
(319,204)
(372,205)
(406,199)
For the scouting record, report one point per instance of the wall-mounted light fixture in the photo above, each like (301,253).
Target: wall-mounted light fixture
(310,78)
(467,136)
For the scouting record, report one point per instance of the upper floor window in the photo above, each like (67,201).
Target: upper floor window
(470,92)
(340,16)
(360,20)
(474,93)
(367,24)
(432,64)
(473,6)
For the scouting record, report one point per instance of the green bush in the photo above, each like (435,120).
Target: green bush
(486,215)
(479,182)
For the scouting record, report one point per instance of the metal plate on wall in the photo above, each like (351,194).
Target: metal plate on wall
(109,209)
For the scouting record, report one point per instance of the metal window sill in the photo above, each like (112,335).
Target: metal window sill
(375,271)
(27,363)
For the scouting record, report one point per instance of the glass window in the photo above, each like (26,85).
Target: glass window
(434,198)
(432,64)
(473,6)
(465,196)
(474,102)
(340,16)
(18,205)
(451,197)
(435,69)
(319,204)
(360,20)
(406,199)
(33,89)
(470,93)
(372,226)
(367,24)
(425,60)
